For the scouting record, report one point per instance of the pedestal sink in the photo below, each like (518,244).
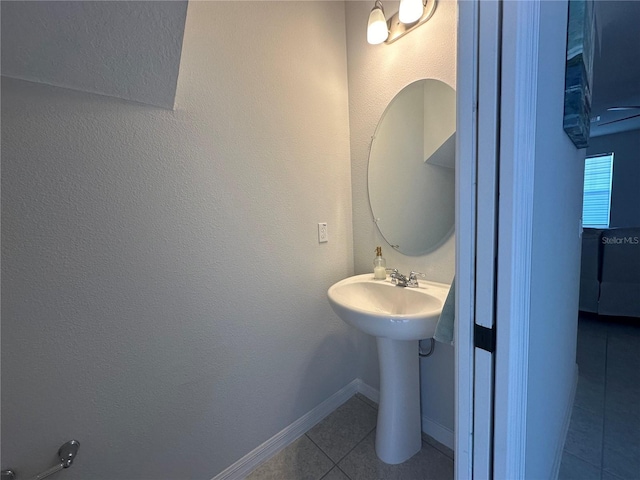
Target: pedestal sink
(398,317)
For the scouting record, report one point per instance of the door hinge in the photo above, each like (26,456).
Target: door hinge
(484,338)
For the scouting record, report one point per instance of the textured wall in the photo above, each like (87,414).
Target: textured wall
(555,273)
(625,195)
(376,74)
(129,50)
(163,290)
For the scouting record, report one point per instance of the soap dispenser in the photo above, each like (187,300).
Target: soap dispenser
(379,266)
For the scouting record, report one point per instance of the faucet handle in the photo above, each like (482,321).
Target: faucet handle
(413,278)
(393,274)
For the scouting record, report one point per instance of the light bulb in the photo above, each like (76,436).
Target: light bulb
(377,30)
(410,10)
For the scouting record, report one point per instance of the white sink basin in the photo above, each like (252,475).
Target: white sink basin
(381,309)
(398,317)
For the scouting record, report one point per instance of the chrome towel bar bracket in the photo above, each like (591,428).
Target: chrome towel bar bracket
(66,454)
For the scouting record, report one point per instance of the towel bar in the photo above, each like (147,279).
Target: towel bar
(66,453)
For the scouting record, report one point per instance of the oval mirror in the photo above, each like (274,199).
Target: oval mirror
(411,168)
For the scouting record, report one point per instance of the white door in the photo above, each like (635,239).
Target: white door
(477,190)
(496,88)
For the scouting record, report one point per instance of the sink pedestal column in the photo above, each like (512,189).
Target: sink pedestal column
(399,430)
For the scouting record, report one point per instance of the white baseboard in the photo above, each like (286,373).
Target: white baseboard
(288,435)
(439,432)
(565,426)
(368,391)
(246,464)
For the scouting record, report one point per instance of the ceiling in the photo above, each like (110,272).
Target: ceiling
(616,66)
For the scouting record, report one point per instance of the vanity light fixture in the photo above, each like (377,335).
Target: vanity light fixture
(411,14)
(377,30)
(410,10)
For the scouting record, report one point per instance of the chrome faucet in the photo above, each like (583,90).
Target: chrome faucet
(398,279)
(401,280)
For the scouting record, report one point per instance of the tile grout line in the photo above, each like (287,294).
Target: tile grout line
(361,440)
(354,447)
(343,472)
(323,452)
(335,464)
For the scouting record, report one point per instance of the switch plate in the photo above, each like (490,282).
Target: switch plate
(323,233)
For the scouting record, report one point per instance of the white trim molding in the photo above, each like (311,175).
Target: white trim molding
(368,391)
(465,205)
(289,434)
(520,43)
(438,432)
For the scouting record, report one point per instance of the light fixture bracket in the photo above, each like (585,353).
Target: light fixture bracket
(397,29)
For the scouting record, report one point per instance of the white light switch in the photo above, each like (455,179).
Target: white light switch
(323,233)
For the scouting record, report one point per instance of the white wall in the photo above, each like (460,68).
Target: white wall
(128,50)
(164,293)
(625,195)
(376,74)
(555,254)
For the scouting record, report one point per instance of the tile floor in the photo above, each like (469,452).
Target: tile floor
(341,447)
(603,441)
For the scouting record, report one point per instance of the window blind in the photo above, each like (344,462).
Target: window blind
(596,204)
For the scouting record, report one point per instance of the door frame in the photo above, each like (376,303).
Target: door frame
(520,29)
(465,225)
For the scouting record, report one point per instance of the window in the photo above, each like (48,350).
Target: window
(596,202)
